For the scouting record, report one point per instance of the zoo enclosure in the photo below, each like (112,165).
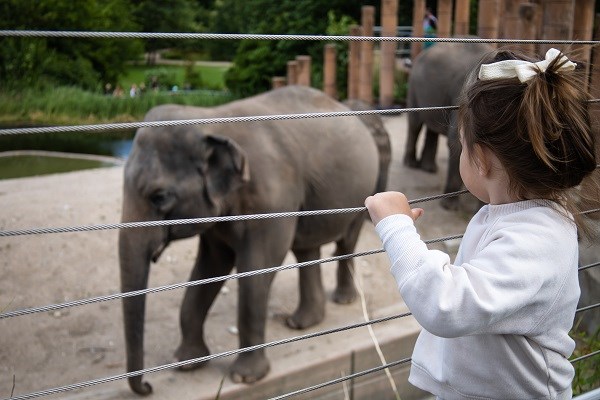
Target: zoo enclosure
(363,39)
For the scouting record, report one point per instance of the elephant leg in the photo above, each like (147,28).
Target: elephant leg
(345,292)
(410,149)
(311,309)
(429,152)
(265,245)
(454,182)
(214,259)
(252,366)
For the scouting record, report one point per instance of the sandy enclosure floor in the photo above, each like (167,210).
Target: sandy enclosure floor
(68,346)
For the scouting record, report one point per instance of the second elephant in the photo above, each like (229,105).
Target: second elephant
(436,80)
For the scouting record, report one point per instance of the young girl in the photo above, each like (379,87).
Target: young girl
(496,321)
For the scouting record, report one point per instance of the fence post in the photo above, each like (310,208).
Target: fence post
(595,78)
(365,88)
(557,22)
(527,28)
(389,21)
(303,76)
(488,18)
(329,70)
(418,15)
(354,63)
(461,18)
(583,27)
(277,82)
(292,72)
(444,16)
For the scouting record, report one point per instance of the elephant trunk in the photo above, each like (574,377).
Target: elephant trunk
(135,249)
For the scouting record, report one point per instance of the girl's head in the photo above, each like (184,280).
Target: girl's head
(535,120)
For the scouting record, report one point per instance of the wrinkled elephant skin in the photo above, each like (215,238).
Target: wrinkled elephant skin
(436,80)
(236,168)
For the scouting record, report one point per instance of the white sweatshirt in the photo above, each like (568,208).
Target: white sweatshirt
(495,323)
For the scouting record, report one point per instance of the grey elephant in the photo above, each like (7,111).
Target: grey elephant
(436,79)
(244,168)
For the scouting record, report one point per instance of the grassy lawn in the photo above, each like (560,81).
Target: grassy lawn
(72,106)
(211,76)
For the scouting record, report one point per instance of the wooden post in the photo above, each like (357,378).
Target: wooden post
(365,87)
(354,63)
(303,77)
(329,70)
(557,22)
(292,72)
(461,18)
(389,22)
(595,73)
(444,16)
(510,20)
(418,15)
(583,27)
(488,19)
(277,82)
(527,28)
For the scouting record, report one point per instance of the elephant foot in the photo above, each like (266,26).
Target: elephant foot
(249,367)
(429,167)
(186,352)
(345,295)
(411,162)
(305,319)
(450,203)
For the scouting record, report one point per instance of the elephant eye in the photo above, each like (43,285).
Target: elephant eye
(159,198)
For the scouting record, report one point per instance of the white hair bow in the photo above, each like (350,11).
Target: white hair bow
(524,70)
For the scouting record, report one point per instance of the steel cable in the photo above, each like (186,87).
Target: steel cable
(242,36)
(180,285)
(163,367)
(204,220)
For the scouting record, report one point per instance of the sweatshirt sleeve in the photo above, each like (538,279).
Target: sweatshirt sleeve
(456,300)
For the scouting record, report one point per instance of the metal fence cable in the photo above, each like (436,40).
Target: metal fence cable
(221,120)
(594,353)
(342,379)
(164,367)
(180,285)
(586,308)
(584,267)
(204,220)
(241,36)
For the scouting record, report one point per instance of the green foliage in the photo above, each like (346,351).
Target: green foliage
(587,371)
(256,62)
(39,62)
(166,16)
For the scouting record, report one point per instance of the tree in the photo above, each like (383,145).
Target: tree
(162,16)
(87,63)
(255,61)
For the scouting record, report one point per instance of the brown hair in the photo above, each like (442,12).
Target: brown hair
(540,130)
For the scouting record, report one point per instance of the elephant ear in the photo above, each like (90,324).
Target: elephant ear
(225,167)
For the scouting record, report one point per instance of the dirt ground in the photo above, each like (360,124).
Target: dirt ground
(52,349)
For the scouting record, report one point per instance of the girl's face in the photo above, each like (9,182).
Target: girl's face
(470,173)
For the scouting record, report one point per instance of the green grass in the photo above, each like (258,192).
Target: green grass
(73,106)
(23,166)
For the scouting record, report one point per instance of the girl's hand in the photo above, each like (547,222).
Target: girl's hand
(384,204)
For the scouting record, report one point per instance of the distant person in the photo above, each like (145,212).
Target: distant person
(496,321)
(108,88)
(118,92)
(133,91)
(154,83)
(429,26)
